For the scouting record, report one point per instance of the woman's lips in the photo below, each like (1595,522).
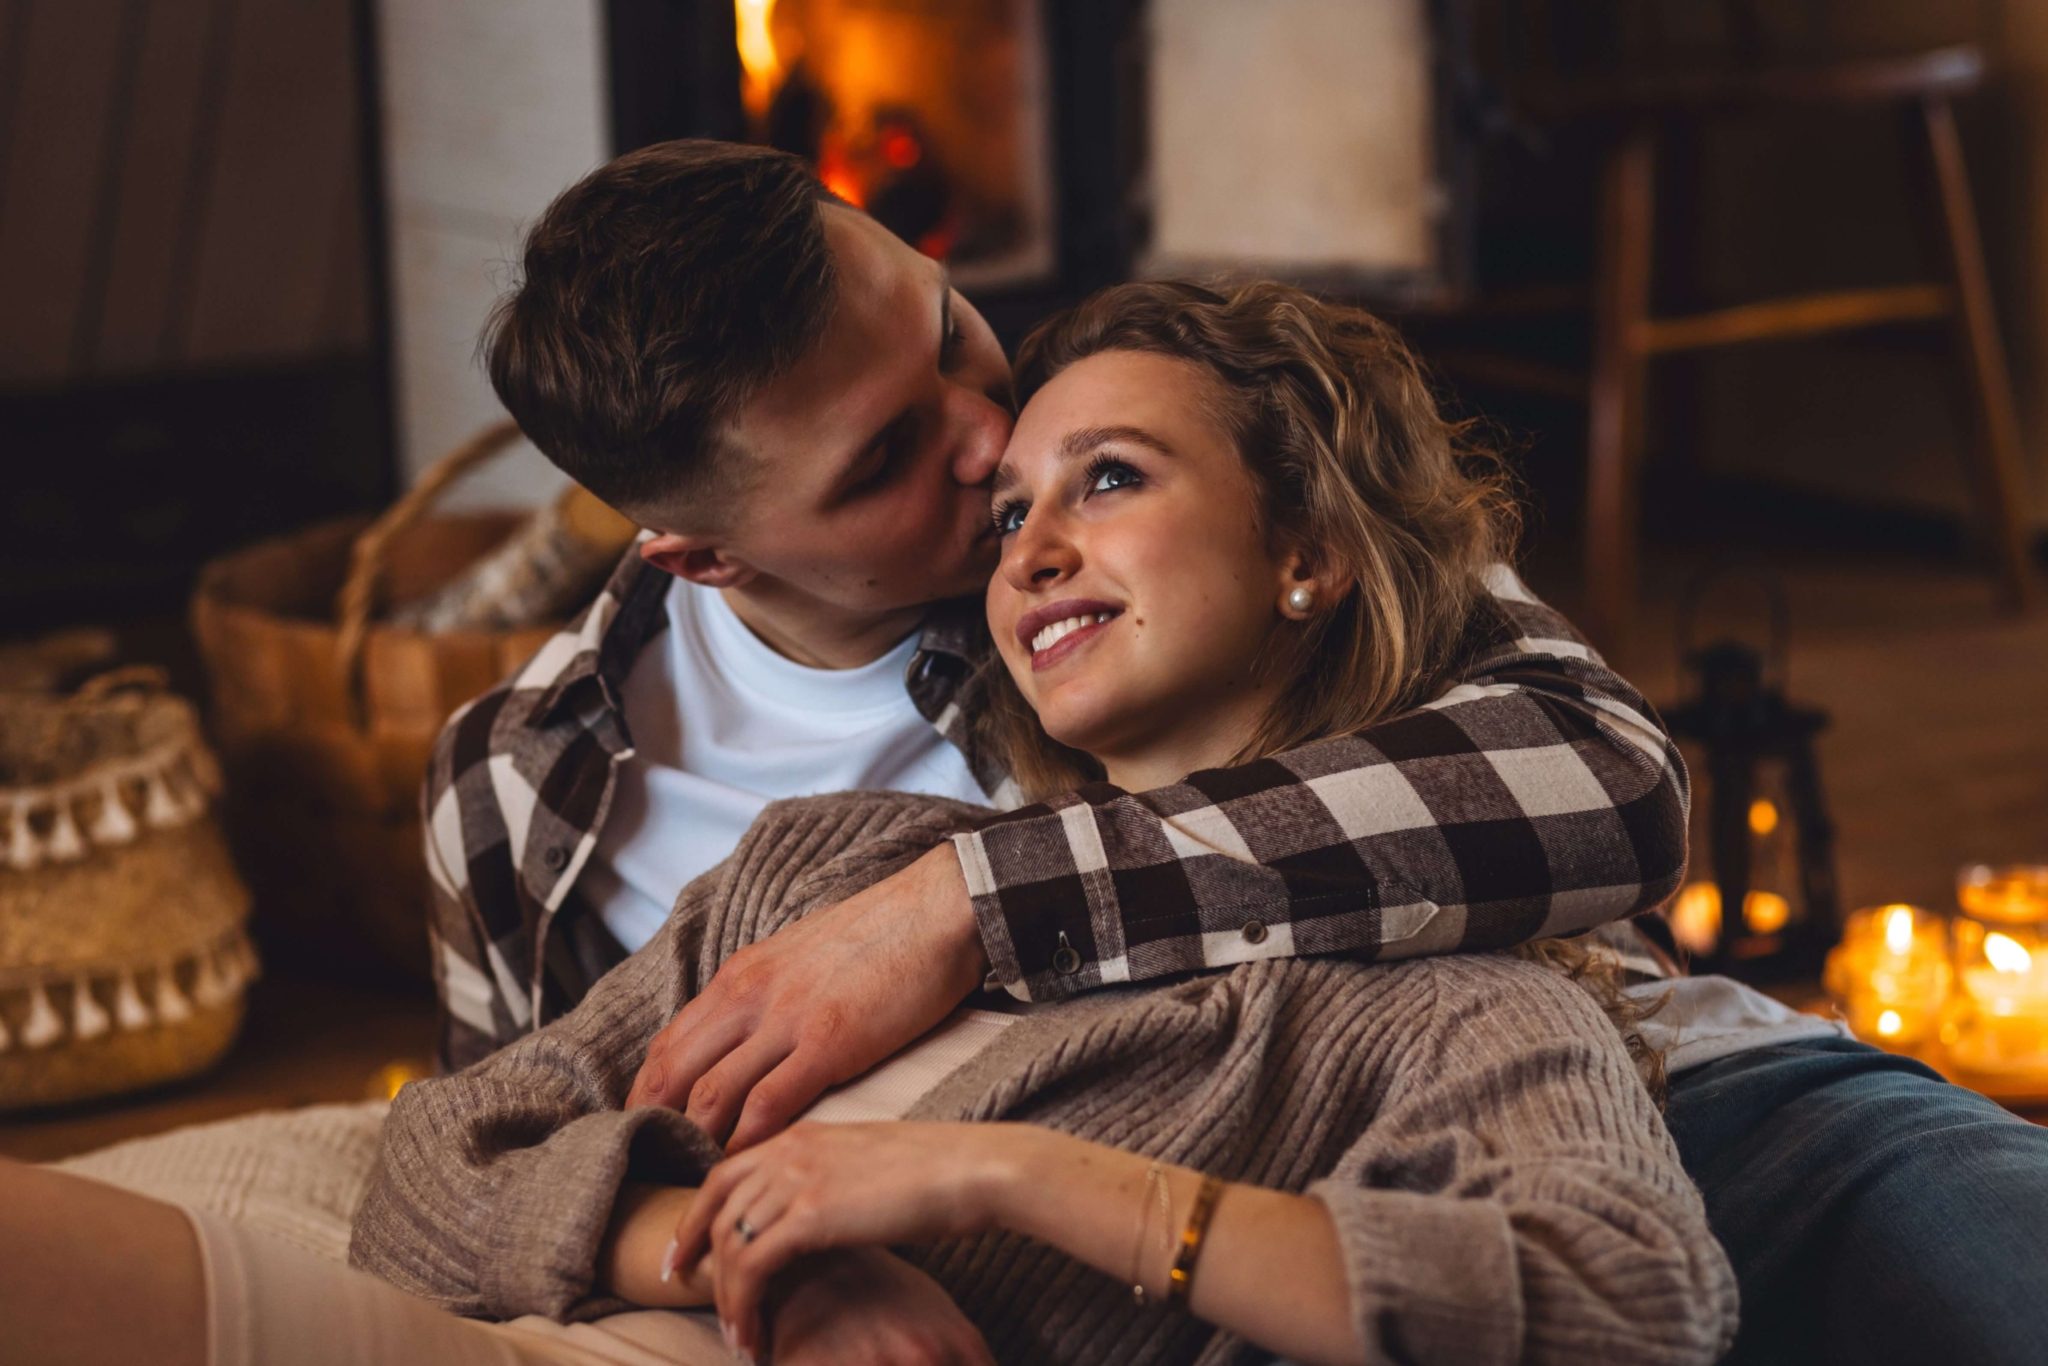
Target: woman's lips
(1067,644)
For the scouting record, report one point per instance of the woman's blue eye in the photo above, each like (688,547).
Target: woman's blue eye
(1008,517)
(1111,474)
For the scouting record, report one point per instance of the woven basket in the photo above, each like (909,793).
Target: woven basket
(122,952)
(326,718)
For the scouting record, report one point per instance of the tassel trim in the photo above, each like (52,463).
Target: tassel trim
(109,804)
(124,997)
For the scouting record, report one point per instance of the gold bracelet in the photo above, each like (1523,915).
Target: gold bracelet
(1180,1280)
(1155,1178)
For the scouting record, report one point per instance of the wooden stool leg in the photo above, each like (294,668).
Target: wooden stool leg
(1995,456)
(1621,308)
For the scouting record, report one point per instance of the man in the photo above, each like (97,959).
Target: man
(803,414)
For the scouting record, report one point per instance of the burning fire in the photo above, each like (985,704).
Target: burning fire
(843,97)
(758,57)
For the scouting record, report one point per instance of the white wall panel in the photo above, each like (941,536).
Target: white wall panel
(490,108)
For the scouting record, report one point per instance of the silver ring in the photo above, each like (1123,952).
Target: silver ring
(745,1230)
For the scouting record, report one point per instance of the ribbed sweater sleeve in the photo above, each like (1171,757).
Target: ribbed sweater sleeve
(494,1187)
(1518,1200)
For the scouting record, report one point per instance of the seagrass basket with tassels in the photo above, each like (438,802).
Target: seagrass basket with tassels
(123,956)
(326,707)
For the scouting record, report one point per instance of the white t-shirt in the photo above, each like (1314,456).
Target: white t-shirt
(722,725)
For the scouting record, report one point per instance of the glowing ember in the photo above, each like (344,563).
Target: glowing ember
(757,54)
(837,173)
(1889,1023)
(900,149)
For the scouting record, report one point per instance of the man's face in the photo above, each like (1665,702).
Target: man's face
(871,458)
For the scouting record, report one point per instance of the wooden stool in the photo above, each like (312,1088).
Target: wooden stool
(1627,335)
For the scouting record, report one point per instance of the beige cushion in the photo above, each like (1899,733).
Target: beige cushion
(294,1174)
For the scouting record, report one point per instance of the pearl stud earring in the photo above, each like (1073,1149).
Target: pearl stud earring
(1301,599)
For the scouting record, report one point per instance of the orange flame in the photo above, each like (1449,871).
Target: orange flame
(763,65)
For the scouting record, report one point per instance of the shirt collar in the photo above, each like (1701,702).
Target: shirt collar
(632,598)
(953,642)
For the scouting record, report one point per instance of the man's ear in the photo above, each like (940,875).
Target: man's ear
(695,558)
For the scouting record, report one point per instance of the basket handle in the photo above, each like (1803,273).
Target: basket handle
(358,594)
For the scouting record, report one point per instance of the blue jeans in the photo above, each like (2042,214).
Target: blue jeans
(1873,1212)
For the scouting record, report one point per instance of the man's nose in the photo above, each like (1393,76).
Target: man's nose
(982,432)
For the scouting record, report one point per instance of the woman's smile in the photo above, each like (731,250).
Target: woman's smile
(1060,629)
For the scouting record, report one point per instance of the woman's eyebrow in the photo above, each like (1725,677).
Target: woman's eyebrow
(1084,440)
(1080,442)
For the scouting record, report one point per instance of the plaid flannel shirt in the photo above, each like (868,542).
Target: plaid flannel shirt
(1538,796)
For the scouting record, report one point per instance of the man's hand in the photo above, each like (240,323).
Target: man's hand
(817,1003)
(867,1307)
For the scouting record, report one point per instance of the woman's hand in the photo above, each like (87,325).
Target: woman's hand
(867,1307)
(821,1186)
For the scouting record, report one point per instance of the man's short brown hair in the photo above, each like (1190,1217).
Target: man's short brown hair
(658,294)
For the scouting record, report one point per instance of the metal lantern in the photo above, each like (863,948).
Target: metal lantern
(1760,901)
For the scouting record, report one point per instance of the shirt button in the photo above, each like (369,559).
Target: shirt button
(556,858)
(1065,960)
(1255,932)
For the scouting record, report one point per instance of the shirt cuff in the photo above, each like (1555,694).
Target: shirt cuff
(1004,971)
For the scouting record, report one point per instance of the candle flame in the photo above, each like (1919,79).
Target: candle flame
(2006,954)
(1763,817)
(1898,930)
(1696,917)
(1889,1023)
(1765,912)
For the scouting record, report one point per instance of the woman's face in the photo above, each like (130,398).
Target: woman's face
(1136,589)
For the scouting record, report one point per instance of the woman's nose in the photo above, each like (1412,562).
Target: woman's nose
(1039,555)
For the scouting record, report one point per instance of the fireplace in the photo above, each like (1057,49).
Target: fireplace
(929,114)
(1043,148)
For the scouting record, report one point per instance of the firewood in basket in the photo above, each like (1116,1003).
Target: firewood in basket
(543,572)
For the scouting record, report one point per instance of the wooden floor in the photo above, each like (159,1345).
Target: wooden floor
(1938,756)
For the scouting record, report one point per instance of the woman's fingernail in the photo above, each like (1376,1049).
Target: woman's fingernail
(732,1344)
(668,1261)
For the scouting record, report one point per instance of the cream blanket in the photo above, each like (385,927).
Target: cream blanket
(293,1174)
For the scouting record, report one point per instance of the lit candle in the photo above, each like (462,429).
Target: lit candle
(2001,1031)
(1891,973)
(2012,981)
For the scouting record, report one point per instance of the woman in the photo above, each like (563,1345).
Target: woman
(1231,522)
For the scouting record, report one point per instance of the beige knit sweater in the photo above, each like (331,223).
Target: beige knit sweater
(1499,1180)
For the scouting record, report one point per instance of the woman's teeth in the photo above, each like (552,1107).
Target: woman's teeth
(1060,630)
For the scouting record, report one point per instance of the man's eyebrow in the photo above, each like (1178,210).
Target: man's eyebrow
(1080,442)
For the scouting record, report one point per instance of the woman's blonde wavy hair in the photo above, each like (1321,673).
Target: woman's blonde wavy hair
(1357,468)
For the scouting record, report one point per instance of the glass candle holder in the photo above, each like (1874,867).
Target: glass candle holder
(2001,956)
(1891,973)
